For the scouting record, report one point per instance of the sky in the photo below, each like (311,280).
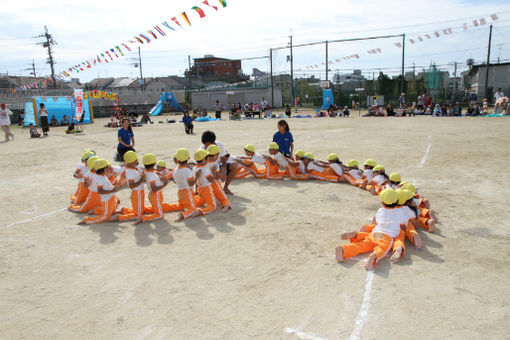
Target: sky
(247,29)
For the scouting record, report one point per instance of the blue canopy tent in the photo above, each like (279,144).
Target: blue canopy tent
(166,97)
(58,107)
(327,99)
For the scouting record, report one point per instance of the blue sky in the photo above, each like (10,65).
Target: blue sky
(248,29)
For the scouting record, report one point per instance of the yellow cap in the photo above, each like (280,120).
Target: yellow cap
(90,162)
(130,157)
(249,147)
(149,158)
(404,195)
(174,156)
(213,150)
(388,196)
(370,162)
(182,155)
(273,146)
(332,156)
(200,154)
(408,186)
(86,155)
(352,163)
(101,164)
(395,177)
(89,150)
(161,163)
(309,155)
(300,153)
(378,168)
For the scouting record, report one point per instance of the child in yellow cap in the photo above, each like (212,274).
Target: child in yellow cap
(379,180)
(81,170)
(352,174)
(299,156)
(185,180)
(248,162)
(213,153)
(368,172)
(426,217)
(282,162)
(156,186)
(204,179)
(394,181)
(163,171)
(318,170)
(335,166)
(380,239)
(92,200)
(106,192)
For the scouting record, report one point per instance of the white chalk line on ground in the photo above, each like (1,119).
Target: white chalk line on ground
(425,157)
(302,335)
(365,306)
(9,226)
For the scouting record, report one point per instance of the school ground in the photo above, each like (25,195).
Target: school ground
(264,270)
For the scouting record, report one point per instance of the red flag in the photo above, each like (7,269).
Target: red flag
(126,46)
(175,20)
(199,11)
(205,2)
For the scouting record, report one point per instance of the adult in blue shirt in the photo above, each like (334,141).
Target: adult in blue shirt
(188,122)
(126,139)
(284,139)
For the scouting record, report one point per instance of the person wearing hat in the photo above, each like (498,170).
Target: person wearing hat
(204,179)
(81,170)
(227,170)
(318,170)
(335,166)
(135,177)
(394,181)
(352,174)
(282,162)
(247,164)
(213,153)
(272,167)
(184,179)
(426,217)
(5,121)
(378,181)
(163,171)
(368,172)
(92,200)
(379,241)
(156,186)
(106,192)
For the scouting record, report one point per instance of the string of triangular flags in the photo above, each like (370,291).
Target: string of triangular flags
(475,23)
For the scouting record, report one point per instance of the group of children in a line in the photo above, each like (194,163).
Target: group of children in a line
(199,189)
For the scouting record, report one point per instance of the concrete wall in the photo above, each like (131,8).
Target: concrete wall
(499,77)
(207,99)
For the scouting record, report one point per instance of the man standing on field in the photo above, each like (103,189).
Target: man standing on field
(5,121)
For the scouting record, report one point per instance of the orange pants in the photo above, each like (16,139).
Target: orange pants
(294,174)
(380,244)
(323,176)
(107,209)
(219,193)
(376,187)
(206,196)
(137,201)
(92,201)
(273,171)
(349,178)
(80,195)
(156,199)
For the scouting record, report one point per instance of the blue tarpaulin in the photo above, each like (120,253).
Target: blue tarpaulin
(327,99)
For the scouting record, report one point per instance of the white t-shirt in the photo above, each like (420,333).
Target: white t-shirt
(388,221)
(379,179)
(499,95)
(282,162)
(181,175)
(368,173)
(222,153)
(152,177)
(258,158)
(312,166)
(408,212)
(118,170)
(134,174)
(302,168)
(91,178)
(202,180)
(337,168)
(4,117)
(82,169)
(43,112)
(356,173)
(102,181)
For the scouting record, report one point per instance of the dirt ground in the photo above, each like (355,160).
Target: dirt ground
(264,270)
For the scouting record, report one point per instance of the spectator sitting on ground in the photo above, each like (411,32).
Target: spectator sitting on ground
(457,110)
(188,123)
(401,112)
(146,119)
(33,131)
(428,110)
(449,111)
(54,121)
(204,113)
(114,122)
(346,112)
(389,111)
(21,120)
(64,121)
(438,111)
(288,110)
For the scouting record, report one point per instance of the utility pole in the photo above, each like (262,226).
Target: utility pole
(48,44)
(188,94)
(454,81)
(487,67)
(33,69)
(142,81)
(403,54)
(327,66)
(292,72)
(271,75)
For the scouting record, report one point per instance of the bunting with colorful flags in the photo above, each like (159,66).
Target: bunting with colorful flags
(199,11)
(185,17)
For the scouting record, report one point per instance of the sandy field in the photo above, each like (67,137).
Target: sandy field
(264,270)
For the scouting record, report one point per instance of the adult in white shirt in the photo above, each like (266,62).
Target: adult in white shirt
(498,95)
(43,114)
(227,169)
(5,121)
(263,104)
